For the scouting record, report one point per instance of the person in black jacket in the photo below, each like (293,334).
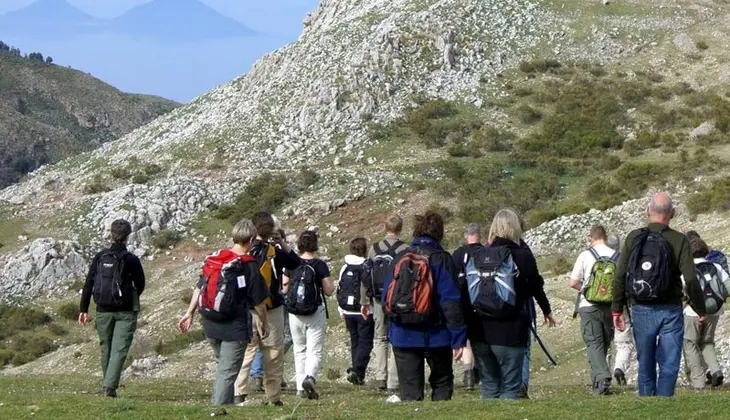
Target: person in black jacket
(499,343)
(116,280)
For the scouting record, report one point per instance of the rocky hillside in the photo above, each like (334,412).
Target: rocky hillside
(49,112)
(568,110)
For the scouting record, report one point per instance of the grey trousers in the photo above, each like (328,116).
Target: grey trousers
(228,361)
(699,349)
(385,367)
(596,327)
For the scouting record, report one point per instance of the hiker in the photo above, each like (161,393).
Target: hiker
(225,315)
(116,281)
(305,289)
(354,274)
(714,255)
(624,340)
(273,254)
(421,299)
(592,277)
(648,276)
(382,255)
(700,357)
(500,279)
(473,237)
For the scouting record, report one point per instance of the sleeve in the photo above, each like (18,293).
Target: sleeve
(458,260)
(693,287)
(136,271)
(449,298)
(578,272)
(536,284)
(619,281)
(256,290)
(288,260)
(324,270)
(88,286)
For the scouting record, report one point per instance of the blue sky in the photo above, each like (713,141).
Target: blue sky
(178,71)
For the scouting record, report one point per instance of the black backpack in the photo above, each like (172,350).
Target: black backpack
(382,265)
(647,277)
(305,294)
(348,288)
(712,287)
(111,287)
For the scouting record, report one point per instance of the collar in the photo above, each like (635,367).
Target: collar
(427,242)
(498,241)
(353,259)
(116,247)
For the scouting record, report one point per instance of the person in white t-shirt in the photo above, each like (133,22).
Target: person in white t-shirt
(700,358)
(595,319)
(624,340)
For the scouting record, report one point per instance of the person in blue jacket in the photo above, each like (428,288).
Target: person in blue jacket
(439,341)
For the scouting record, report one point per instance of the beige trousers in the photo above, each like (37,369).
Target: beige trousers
(699,349)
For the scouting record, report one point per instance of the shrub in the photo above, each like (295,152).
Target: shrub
(19,318)
(179,342)
(539,66)
(308,177)
(716,197)
(265,192)
(186,295)
(77,285)
(140,178)
(118,172)
(166,238)
(96,186)
(57,330)
(528,115)
(702,45)
(5,357)
(560,265)
(151,169)
(69,310)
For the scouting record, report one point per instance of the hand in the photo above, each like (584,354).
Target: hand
(365,311)
(264,331)
(83,318)
(618,321)
(458,353)
(186,323)
(701,320)
(550,321)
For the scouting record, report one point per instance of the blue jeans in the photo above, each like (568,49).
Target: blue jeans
(659,334)
(526,364)
(500,369)
(257,367)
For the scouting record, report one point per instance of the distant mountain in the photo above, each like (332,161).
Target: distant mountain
(50,112)
(49,18)
(178,20)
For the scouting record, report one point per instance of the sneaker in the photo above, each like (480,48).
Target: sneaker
(469,380)
(393,399)
(717,379)
(620,377)
(239,399)
(301,394)
(110,392)
(354,378)
(284,385)
(308,386)
(603,387)
(523,392)
(258,384)
(277,403)
(382,385)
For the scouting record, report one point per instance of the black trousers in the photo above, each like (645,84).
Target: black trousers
(412,376)
(361,342)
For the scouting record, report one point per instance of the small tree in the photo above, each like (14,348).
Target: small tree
(49,60)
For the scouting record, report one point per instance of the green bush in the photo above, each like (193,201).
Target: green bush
(166,238)
(539,66)
(96,186)
(69,310)
(528,115)
(18,318)
(702,45)
(179,342)
(560,265)
(57,330)
(140,178)
(266,192)
(151,169)
(716,197)
(119,172)
(308,177)
(186,295)
(5,357)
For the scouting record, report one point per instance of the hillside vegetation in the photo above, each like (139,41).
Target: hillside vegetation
(49,112)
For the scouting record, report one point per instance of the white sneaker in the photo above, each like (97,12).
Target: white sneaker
(393,399)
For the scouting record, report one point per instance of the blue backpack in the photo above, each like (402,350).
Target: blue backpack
(718,258)
(490,277)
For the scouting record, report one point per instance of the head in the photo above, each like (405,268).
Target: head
(698,247)
(506,224)
(598,235)
(308,242)
(473,233)
(660,209)
(394,225)
(243,233)
(613,242)
(359,247)
(264,223)
(120,231)
(692,234)
(429,224)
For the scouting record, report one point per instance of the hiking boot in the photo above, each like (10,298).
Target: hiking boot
(239,399)
(477,376)
(110,392)
(277,403)
(708,375)
(523,392)
(469,380)
(354,378)
(258,384)
(620,377)
(301,394)
(717,379)
(603,387)
(284,385)
(308,386)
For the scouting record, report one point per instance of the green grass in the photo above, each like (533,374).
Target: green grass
(77,398)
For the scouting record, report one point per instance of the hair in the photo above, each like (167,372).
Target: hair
(281,233)
(308,241)
(692,234)
(120,230)
(264,223)
(429,224)
(506,224)
(244,232)
(473,229)
(613,242)
(698,247)
(661,205)
(394,224)
(598,233)
(359,247)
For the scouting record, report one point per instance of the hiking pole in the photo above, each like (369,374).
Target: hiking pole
(542,346)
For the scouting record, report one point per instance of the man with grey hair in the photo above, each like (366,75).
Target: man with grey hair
(473,237)
(649,277)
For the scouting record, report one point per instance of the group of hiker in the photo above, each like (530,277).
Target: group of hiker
(411,303)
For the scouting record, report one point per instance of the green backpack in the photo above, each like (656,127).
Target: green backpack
(599,288)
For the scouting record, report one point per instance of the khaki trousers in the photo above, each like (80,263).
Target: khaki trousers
(385,367)
(699,349)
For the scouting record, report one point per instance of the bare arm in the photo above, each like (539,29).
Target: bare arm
(186,323)
(194,302)
(328,286)
(285,284)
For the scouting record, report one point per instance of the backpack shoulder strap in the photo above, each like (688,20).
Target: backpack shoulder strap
(594,253)
(615,256)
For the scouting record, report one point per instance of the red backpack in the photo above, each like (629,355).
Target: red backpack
(410,296)
(223,275)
